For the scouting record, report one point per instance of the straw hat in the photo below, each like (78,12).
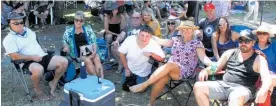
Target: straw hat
(187,24)
(265,28)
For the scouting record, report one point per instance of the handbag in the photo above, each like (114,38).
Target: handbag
(130,81)
(86,50)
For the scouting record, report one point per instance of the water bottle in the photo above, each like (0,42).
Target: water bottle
(99,76)
(83,73)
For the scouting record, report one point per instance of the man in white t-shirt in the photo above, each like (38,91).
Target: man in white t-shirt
(21,44)
(135,53)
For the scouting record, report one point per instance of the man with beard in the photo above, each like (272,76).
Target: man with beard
(243,66)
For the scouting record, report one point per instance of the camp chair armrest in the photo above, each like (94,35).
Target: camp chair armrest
(50,52)
(19,61)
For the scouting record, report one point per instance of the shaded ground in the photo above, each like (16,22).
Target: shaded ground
(51,37)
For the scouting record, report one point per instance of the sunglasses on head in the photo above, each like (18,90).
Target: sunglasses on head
(171,23)
(79,20)
(242,40)
(17,23)
(262,33)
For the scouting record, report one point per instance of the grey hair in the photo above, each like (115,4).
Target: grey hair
(150,11)
(79,14)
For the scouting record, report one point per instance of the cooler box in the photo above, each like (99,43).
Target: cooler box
(88,92)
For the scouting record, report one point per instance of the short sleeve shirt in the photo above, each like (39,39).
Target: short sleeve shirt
(208,28)
(185,55)
(136,61)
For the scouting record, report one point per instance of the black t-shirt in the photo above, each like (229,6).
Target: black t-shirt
(208,28)
(80,41)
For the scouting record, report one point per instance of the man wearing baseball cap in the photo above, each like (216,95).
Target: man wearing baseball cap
(207,27)
(21,44)
(243,68)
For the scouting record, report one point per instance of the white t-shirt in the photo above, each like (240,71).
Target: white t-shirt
(136,61)
(26,44)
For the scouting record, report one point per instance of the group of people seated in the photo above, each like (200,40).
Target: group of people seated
(244,57)
(41,9)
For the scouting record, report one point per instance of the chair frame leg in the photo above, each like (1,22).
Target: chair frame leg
(24,84)
(190,93)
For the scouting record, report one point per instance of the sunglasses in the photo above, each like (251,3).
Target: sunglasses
(136,18)
(17,23)
(79,20)
(262,33)
(246,41)
(171,23)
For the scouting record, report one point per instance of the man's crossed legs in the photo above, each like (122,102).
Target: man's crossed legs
(236,95)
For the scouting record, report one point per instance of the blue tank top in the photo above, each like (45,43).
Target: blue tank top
(270,53)
(230,44)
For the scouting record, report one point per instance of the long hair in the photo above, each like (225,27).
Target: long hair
(148,11)
(228,33)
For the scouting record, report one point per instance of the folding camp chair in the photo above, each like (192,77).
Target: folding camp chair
(175,83)
(20,74)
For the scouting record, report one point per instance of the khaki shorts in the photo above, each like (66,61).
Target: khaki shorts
(220,90)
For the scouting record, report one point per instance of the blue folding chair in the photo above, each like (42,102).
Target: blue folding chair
(239,28)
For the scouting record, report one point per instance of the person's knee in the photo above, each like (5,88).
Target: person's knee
(108,38)
(36,70)
(236,99)
(200,88)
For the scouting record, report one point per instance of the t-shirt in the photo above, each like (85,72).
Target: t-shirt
(270,53)
(136,61)
(208,28)
(25,44)
(132,30)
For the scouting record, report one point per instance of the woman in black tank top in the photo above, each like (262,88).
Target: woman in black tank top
(113,24)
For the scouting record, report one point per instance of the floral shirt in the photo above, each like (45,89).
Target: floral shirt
(69,38)
(185,55)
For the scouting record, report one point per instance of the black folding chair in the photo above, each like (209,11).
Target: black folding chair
(175,83)
(20,74)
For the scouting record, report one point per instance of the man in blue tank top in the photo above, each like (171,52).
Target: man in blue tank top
(243,68)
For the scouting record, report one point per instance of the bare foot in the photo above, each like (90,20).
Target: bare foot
(40,95)
(53,88)
(137,88)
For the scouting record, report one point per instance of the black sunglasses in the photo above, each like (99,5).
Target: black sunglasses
(171,23)
(262,33)
(79,20)
(17,23)
(242,40)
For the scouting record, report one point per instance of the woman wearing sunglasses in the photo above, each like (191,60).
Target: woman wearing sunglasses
(266,46)
(185,53)
(78,36)
(170,32)
(223,39)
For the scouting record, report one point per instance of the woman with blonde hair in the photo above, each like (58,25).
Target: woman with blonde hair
(149,19)
(185,53)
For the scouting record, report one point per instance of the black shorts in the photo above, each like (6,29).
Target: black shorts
(44,62)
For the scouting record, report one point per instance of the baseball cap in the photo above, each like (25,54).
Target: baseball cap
(209,6)
(247,34)
(14,15)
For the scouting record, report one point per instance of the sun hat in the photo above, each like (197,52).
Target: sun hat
(187,24)
(265,28)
